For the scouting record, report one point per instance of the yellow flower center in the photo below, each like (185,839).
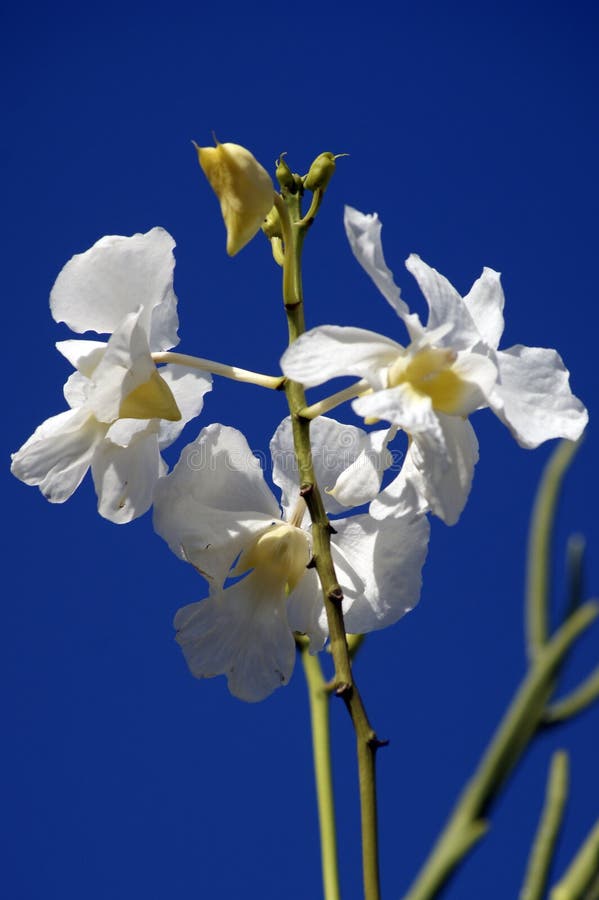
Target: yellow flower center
(430,372)
(151,400)
(281,554)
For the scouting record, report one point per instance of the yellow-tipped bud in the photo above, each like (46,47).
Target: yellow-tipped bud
(320,172)
(243,187)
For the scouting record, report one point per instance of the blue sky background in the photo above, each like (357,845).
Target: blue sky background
(472,130)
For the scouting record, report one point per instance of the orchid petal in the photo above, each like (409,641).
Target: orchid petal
(485,303)
(360,482)
(125,478)
(387,557)
(76,390)
(533,396)
(445,306)
(478,377)
(58,454)
(364,236)
(400,405)
(96,289)
(438,472)
(305,611)
(243,633)
(83,355)
(331,351)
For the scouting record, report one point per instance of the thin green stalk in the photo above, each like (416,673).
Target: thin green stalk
(539,546)
(521,721)
(367,742)
(321,749)
(593,891)
(583,871)
(575,702)
(537,872)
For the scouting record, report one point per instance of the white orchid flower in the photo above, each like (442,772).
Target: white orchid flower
(450,368)
(123,410)
(216,511)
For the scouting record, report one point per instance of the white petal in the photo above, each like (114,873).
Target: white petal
(125,478)
(331,351)
(335,447)
(124,431)
(125,365)
(404,496)
(214,501)
(83,355)
(385,560)
(219,470)
(445,306)
(400,405)
(98,288)
(441,474)
(58,454)
(76,390)
(284,465)
(478,375)
(364,236)
(241,632)
(533,396)
(188,387)
(485,303)
(360,482)
(305,610)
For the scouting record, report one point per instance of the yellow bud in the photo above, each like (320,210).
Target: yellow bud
(243,187)
(151,400)
(320,172)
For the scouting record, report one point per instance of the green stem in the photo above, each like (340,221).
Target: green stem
(521,721)
(367,743)
(319,715)
(582,872)
(274,382)
(541,855)
(593,891)
(575,702)
(539,546)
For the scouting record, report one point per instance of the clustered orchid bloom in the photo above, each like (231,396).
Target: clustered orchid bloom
(450,369)
(215,509)
(123,410)
(216,512)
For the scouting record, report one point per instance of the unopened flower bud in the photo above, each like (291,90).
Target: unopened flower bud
(285,175)
(243,187)
(320,172)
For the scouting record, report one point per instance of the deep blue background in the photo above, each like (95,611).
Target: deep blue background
(472,131)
